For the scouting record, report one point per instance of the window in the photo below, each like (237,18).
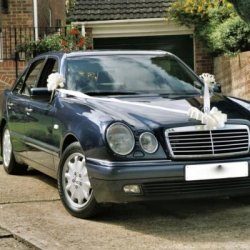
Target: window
(58,23)
(151,73)
(5,6)
(51,66)
(34,74)
(30,78)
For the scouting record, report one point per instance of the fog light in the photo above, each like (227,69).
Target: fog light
(135,189)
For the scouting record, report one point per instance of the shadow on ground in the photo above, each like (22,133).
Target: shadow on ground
(32,173)
(219,219)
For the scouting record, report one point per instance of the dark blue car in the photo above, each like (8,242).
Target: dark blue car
(124,126)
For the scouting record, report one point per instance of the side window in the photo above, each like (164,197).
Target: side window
(51,66)
(34,74)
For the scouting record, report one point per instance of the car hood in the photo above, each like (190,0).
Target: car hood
(155,111)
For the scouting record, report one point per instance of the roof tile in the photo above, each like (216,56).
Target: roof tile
(98,10)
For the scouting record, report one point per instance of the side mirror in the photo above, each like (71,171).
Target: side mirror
(216,88)
(42,94)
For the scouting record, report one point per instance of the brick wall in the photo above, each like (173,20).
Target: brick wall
(20,19)
(43,13)
(8,72)
(20,14)
(233,73)
(57,8)
(203,60)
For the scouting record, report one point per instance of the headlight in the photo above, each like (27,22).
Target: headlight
(148,142)
(120,139)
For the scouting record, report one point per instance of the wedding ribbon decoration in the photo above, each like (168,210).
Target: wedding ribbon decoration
(55,80)
(206,99)
(212,119)
(208,78)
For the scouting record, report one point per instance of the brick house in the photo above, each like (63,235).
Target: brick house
(139,24)
(20,19)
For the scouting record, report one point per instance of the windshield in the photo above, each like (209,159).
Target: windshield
(150,74)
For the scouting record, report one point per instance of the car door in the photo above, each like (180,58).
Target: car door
(39,132)
(17,108)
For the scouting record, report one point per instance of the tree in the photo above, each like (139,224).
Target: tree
(243,8)
(216,24)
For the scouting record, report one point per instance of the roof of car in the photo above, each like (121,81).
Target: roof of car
(64,55)
(116,52)
(99,10)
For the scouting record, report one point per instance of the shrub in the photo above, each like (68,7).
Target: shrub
(72,40)
(216,24)
(230,37)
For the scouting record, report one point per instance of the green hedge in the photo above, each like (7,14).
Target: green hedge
(216,23)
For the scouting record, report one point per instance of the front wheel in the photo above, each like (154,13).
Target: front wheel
(73,183)
(9,162)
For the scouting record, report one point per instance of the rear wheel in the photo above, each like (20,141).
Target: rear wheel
(9,162)
(74,185)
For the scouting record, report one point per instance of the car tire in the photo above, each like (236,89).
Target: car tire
(9,162)
(74,185)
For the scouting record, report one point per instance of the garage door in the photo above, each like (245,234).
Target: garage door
(181,45)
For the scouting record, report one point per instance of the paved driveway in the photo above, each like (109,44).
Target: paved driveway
(30,211)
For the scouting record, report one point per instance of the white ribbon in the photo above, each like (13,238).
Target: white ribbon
(81,95)
(212,119)
(206,99)
(55,80)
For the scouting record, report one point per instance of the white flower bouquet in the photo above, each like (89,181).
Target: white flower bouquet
(55,80)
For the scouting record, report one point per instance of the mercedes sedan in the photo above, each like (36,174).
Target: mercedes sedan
(124,126)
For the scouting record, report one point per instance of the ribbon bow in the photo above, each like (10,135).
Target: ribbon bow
(214,118)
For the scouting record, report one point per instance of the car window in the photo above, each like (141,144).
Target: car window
(29,78)
(20,83)
(131,73)
(34,74)
(51,66)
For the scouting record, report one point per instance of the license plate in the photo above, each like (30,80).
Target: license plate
(216,171)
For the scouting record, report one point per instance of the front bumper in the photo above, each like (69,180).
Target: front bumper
(159,180)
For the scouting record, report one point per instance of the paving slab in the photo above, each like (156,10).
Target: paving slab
(10,244)
(4,233)
(35,215)
(207,226)
(32,186)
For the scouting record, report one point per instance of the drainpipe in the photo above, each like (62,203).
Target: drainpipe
(35,14)
(0,17)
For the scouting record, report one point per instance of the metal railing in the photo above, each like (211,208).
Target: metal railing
(11,38)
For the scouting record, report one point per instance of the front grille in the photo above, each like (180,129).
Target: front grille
(198,142)
(173,188)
